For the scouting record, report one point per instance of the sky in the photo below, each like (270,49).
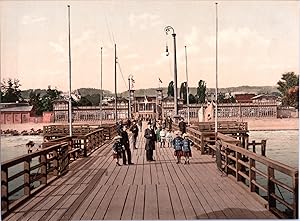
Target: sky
(258,41)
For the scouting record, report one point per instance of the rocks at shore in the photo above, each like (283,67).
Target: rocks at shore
(23,133)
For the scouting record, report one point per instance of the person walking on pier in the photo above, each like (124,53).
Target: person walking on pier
(169,138)
(162,135)
(186,148)
(150,142)
(177,143)
(125,142)
(182,126)
(118,148)
(169,123)
(135,132)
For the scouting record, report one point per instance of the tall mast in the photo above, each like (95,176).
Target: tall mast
(70,88)
(216,106)
(116,112)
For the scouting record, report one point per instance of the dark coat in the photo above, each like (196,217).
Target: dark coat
(135,130)
(182,126)
(150,139)
(125,139)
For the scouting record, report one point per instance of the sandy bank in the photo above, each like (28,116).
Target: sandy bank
(253,124)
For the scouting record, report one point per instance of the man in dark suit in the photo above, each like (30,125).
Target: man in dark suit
(125,142)
(135,132)
(150,142)
(182,126)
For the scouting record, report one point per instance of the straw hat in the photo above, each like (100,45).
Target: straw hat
(185,135)
(117,137)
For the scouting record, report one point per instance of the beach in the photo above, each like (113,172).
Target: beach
(253,124)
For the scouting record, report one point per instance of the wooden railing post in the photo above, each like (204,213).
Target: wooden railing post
(263,147)
(85,147)
(295,203)
(4,189)
(253,145)
(238,165)
(271,188)
(44,169)
(252,175)
(55,162)
(27,177)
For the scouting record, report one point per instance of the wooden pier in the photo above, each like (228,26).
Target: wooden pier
(94,188)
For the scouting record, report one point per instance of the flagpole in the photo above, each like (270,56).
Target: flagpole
(187,88)
(216,106)
(101,92)
(116,113)
(70,98)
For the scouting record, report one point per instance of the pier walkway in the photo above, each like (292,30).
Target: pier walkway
(96,189)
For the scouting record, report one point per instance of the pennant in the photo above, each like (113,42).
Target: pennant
(160,81)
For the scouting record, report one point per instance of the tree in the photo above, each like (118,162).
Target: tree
(182,92)
(192,99)
(289,89)
(201,90)
(36,101)
(11,91)
(171,89)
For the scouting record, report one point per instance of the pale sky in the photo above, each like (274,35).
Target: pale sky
(258,42)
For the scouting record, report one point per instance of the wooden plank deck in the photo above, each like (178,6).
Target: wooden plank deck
(96,189)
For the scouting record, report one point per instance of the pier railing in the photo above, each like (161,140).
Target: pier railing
(42,166)
(36,170)
(275,183)
(264,176)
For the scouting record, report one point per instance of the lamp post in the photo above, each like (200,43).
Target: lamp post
(129,104)
(101,92)
(167,30)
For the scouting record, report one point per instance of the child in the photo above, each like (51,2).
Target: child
(162,134)
(177,143)
(187,148)
(117,149)
(169,138)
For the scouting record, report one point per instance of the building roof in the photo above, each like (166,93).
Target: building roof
(264,96)
(17,109)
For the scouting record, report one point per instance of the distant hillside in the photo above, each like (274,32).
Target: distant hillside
(152,91)
(193,90)
(90,91)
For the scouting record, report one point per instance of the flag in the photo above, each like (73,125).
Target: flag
(159,80)
(146,100)
(132,80)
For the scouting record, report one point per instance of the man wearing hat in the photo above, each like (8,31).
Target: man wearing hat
(117,149)
(150,142)
(177,143)
(135,131)
(125,142)
(186,148)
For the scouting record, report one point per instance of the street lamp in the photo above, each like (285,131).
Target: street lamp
(130,78)
(167,30)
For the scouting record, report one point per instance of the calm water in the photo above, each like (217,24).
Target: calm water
(282,146)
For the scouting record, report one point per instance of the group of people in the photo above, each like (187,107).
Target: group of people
(160,131)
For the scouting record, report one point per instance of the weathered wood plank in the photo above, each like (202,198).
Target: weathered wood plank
(138,211)
(114,211)
(101,210)
(151,207)
(165,210)
(129,203)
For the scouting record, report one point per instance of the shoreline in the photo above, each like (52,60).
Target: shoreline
(253,125)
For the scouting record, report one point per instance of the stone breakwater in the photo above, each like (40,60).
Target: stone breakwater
(13,132)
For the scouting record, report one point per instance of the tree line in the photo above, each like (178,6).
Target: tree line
(288,87)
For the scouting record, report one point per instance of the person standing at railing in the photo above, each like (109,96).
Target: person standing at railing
(177,143)
(135,132)
(125,142)
(150,142)
(186,148)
